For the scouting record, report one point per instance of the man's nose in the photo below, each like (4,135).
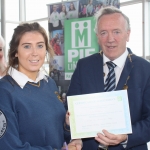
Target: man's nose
(111,37)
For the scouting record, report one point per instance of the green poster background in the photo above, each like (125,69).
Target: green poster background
(80,41)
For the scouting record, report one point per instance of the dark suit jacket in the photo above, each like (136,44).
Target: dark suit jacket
(88,78)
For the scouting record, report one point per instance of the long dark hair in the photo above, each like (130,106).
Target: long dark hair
(70,6)
(65,9)
(19,31)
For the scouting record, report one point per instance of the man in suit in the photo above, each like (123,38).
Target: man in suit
(132,73)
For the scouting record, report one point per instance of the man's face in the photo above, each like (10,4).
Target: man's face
(112,35)
(54,8)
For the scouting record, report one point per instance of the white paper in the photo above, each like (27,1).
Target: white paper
(91,113)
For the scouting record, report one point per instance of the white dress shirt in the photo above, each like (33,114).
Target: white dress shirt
(22,79)
(120,62)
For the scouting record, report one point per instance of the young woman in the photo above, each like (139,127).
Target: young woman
(72,13)
(63,15)
(32,116)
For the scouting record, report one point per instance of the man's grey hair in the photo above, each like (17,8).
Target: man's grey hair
(107,11)
(2,41)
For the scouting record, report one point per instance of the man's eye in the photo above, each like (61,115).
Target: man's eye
(103,33)
(116,32)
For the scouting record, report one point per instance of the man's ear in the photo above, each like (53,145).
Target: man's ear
(97,35)
(128,35)
(97,38)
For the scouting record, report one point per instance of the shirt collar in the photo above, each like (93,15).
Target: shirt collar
(119,61)
(22,79)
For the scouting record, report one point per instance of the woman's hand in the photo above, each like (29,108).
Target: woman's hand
(73,145)
(67,118)
(77,143)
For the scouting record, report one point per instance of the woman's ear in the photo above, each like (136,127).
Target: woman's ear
(16,55)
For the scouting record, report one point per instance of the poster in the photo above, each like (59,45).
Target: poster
(57,14)
(62,16)
(80,42)
(88,8)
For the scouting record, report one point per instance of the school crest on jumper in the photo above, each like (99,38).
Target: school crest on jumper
(3,124)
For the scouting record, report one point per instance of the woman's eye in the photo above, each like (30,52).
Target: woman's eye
(40,46)
(27,46)
(0,49)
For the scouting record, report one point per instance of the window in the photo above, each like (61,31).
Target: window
(44,24)
(134,12)
(37,9)
(9,32)
(12,10)
(126,0)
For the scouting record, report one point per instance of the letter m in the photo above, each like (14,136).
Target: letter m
(81,34)
(81,38)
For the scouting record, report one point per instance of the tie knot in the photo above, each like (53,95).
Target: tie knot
(111,65)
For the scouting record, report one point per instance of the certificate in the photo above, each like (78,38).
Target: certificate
(91,113)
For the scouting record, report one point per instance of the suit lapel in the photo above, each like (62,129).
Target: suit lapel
(126,72)
(98,73)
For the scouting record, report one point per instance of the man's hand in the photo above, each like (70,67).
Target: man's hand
(110,139)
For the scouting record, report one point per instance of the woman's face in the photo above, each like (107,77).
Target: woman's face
(63,8)
(31,53)
(71,6)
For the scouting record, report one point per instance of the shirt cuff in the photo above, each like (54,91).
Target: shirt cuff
(124,144)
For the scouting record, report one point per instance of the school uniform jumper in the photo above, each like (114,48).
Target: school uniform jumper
(34,115)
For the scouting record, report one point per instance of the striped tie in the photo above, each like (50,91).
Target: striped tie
(110,81)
